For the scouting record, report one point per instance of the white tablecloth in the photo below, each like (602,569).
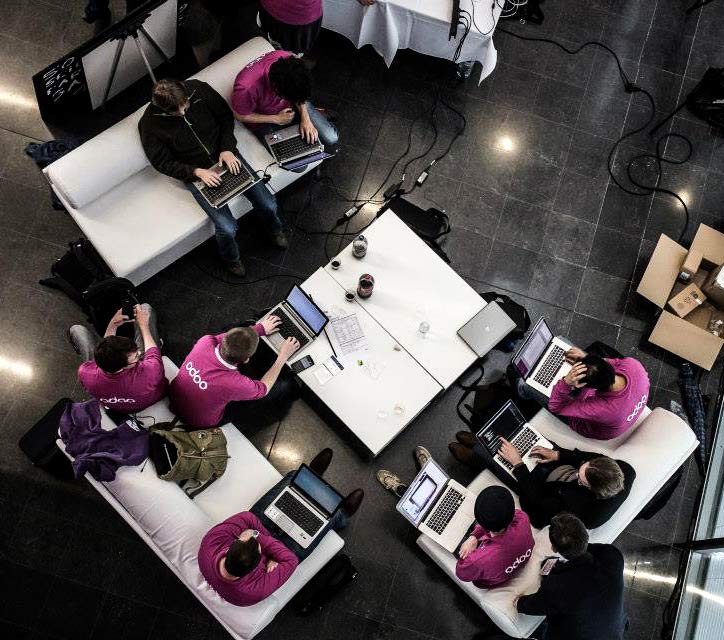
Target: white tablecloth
(421,25)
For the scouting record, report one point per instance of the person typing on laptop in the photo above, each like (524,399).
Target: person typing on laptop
(600,398)
(589,485)
(209,388)
(273,92)
(186,130)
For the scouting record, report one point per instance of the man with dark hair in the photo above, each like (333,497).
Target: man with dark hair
(187,129)
(122,374)
(247,557)
(499,545)
(272,92)
(209,378)
(582,595)
(600,398)
(589,485)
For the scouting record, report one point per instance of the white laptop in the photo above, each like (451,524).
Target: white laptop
(304,508)
(509,423)
(301,319)
(541,358)
(438,506)
(486,328)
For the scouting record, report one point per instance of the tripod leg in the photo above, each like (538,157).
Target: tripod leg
(114,68)
(145,59)
(155,45)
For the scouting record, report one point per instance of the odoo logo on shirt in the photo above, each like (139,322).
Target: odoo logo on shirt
(519,561)
(115,400)
(639,405)
(195,375)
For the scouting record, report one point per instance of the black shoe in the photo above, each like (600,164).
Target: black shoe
(466,439)
(236,268)
(320,462)
(352,502)
(461,453)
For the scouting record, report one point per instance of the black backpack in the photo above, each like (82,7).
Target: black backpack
(330,580)
(102,299)
(39,443)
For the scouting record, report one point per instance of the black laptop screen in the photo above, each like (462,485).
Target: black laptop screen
(504,424)
(317,490)
(306,310)
(534,347)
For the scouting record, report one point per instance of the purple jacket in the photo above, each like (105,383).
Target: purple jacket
(95,450)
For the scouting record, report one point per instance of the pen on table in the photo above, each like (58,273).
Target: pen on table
(331,346)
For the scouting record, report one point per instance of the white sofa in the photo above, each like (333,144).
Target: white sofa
(139,220)
(655,447)
(173,525)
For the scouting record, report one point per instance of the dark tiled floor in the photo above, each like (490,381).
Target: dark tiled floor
(534,213)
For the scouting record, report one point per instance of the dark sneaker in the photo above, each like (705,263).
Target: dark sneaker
(236,268)
(466,438)
(421,455)
(352,502)
(461,453)
(279,240)
(391,482)
(321,461)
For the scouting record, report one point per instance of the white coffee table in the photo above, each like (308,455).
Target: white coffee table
(377,399)
(412,285)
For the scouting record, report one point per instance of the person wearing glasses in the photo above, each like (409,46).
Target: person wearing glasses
(122,374)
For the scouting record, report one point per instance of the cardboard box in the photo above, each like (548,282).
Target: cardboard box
(686,337)
(691,265)
(687,300)
(714,287)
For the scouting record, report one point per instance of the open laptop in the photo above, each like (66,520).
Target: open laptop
(486,328)
(509,423)
(232,185)
(541,358)
(438,506)
(304,507)
(301,319)
(287,146)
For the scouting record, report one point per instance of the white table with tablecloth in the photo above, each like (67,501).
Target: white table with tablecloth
(421,25)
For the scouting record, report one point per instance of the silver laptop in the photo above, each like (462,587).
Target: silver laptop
(438,506)
(486,328)
(304,507)
(301,319)
(232,185)
(541,358)
(287,145)
(509,423)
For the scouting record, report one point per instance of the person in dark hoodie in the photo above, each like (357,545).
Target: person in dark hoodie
(188,128)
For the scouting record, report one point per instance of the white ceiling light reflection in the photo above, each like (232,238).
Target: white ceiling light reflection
(505,143)
(697,591)
(686,197)
(16,367)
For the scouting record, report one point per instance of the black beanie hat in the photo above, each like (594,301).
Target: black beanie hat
(494,508)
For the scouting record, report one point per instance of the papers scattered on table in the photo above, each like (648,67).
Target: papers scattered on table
(327,370)
(348,334)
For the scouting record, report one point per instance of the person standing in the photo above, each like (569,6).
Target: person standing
(292,25)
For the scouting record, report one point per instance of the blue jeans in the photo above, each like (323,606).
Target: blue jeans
(328,134)
(338,521)
(264,205)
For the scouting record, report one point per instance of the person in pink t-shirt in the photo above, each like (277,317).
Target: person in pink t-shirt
(292,25)
(209,378)
(273,92)
(121,374)
(500,544)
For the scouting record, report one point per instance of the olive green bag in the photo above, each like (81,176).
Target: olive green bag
(193,459)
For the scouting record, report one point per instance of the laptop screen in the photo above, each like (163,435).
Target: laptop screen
(316,489)
(533,348)
(306,309)
(504,424)
(422,493)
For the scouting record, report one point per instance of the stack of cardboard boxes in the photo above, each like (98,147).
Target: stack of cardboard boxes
(689,288)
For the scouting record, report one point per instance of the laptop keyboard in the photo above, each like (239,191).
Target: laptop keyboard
(550,367)
(229,183)
(523,442)
(292,147)
(288,329)
(298,513)
(445,510)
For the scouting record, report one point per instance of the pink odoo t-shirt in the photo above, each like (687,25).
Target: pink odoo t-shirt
(206,383)
(603,415)
(253,92)
(130,390)
(498,558)
(296,12)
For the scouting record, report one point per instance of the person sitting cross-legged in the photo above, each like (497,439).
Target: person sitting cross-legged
(248,557)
